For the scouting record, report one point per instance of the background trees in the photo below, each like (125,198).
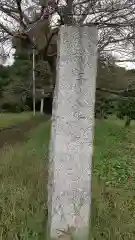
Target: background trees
(16,84)
(26,24)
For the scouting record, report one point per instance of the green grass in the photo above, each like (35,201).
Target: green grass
(8,119)
(22,185)
(113,184)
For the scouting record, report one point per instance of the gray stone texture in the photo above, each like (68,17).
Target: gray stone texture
(72,133)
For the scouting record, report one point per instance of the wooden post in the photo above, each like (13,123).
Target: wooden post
(34,87)
(42,103)
(69,187)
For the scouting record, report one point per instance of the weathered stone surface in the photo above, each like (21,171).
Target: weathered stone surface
(72,133)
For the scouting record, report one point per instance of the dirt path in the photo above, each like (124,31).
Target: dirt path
(17,133)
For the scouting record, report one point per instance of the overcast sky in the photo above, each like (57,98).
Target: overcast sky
(127,65)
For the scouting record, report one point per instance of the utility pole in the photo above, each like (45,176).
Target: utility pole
(34,87)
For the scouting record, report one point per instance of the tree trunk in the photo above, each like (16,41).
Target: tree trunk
(69,188)
(34,86)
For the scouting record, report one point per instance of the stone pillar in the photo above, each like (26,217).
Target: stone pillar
(69,196)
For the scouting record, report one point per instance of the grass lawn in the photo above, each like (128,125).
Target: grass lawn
(113,183)
(8,119)
(22,185)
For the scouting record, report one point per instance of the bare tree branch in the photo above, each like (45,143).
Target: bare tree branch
(115,20)
(21,15)
(6,29)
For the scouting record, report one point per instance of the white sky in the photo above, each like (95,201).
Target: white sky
(127,65)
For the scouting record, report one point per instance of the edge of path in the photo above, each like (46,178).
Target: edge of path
(17,133)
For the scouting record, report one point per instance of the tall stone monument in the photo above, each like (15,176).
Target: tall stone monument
(69,187)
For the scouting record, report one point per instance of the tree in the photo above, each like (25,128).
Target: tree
(126,109)
(17,85)
(104,106)
(27,19)
(112,17)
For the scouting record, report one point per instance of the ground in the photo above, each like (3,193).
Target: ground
(113,183)
(9,119)
(23,178)
(22,182)
(14,127)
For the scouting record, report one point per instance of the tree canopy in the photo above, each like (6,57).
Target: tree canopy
(27,19)
(35,24)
